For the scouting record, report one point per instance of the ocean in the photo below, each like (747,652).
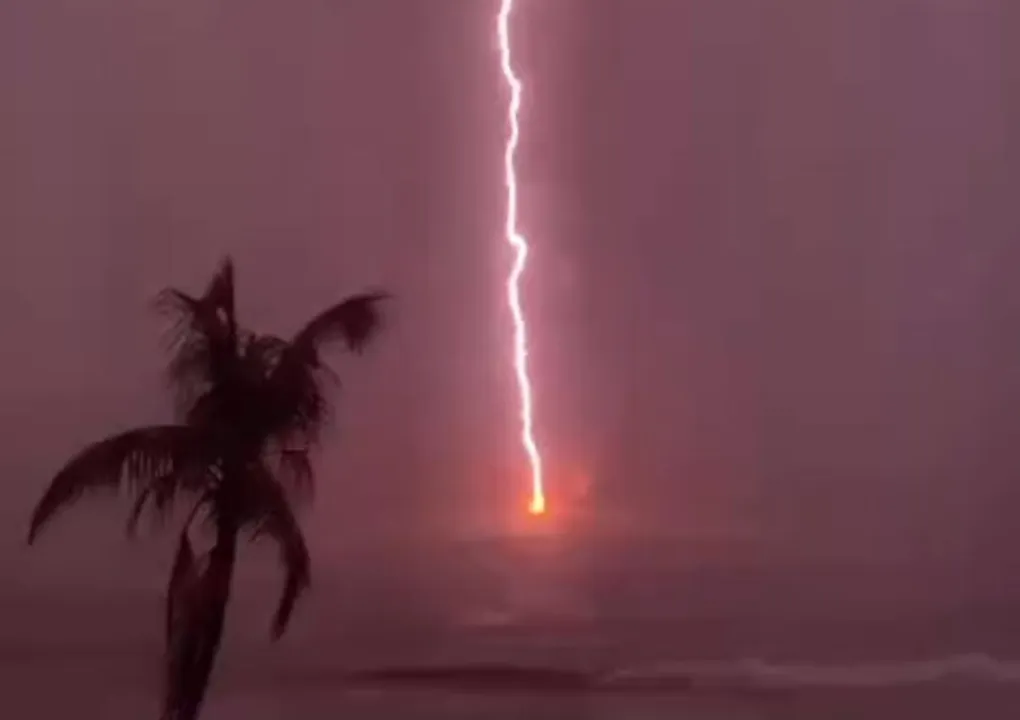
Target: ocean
(480,638)
(952,688)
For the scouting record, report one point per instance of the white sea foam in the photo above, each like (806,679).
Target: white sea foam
(755,673)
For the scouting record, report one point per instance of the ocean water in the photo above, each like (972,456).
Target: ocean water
(104,687)
(621,641)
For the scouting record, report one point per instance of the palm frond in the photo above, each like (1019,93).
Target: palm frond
(298,409)
(190,341)
(209,313)
(282,526)
(261,353)
(161,494)
(184,575)
(203,335)
(167,457)
(294,468)
(355,321)
(220,293)
(193,320)
(268,514)
(286,404)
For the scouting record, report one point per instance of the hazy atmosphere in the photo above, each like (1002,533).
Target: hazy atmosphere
(772,297)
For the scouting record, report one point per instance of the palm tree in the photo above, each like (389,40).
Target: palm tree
(251,408)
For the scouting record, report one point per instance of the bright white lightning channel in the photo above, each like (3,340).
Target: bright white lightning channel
(520,245)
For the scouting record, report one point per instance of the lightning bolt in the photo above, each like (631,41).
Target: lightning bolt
(520,245)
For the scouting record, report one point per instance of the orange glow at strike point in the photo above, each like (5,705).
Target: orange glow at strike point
(520,246)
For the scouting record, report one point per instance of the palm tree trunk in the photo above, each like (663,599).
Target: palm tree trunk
(196,640)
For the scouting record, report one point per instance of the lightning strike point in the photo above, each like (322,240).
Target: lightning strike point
(520,245)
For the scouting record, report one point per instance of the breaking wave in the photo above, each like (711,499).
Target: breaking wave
(744,675)
(751,672)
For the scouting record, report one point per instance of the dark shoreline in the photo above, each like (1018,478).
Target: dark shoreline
(483,678)
(486,678)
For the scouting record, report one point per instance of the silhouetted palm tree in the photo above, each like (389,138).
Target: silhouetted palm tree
(251,408)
